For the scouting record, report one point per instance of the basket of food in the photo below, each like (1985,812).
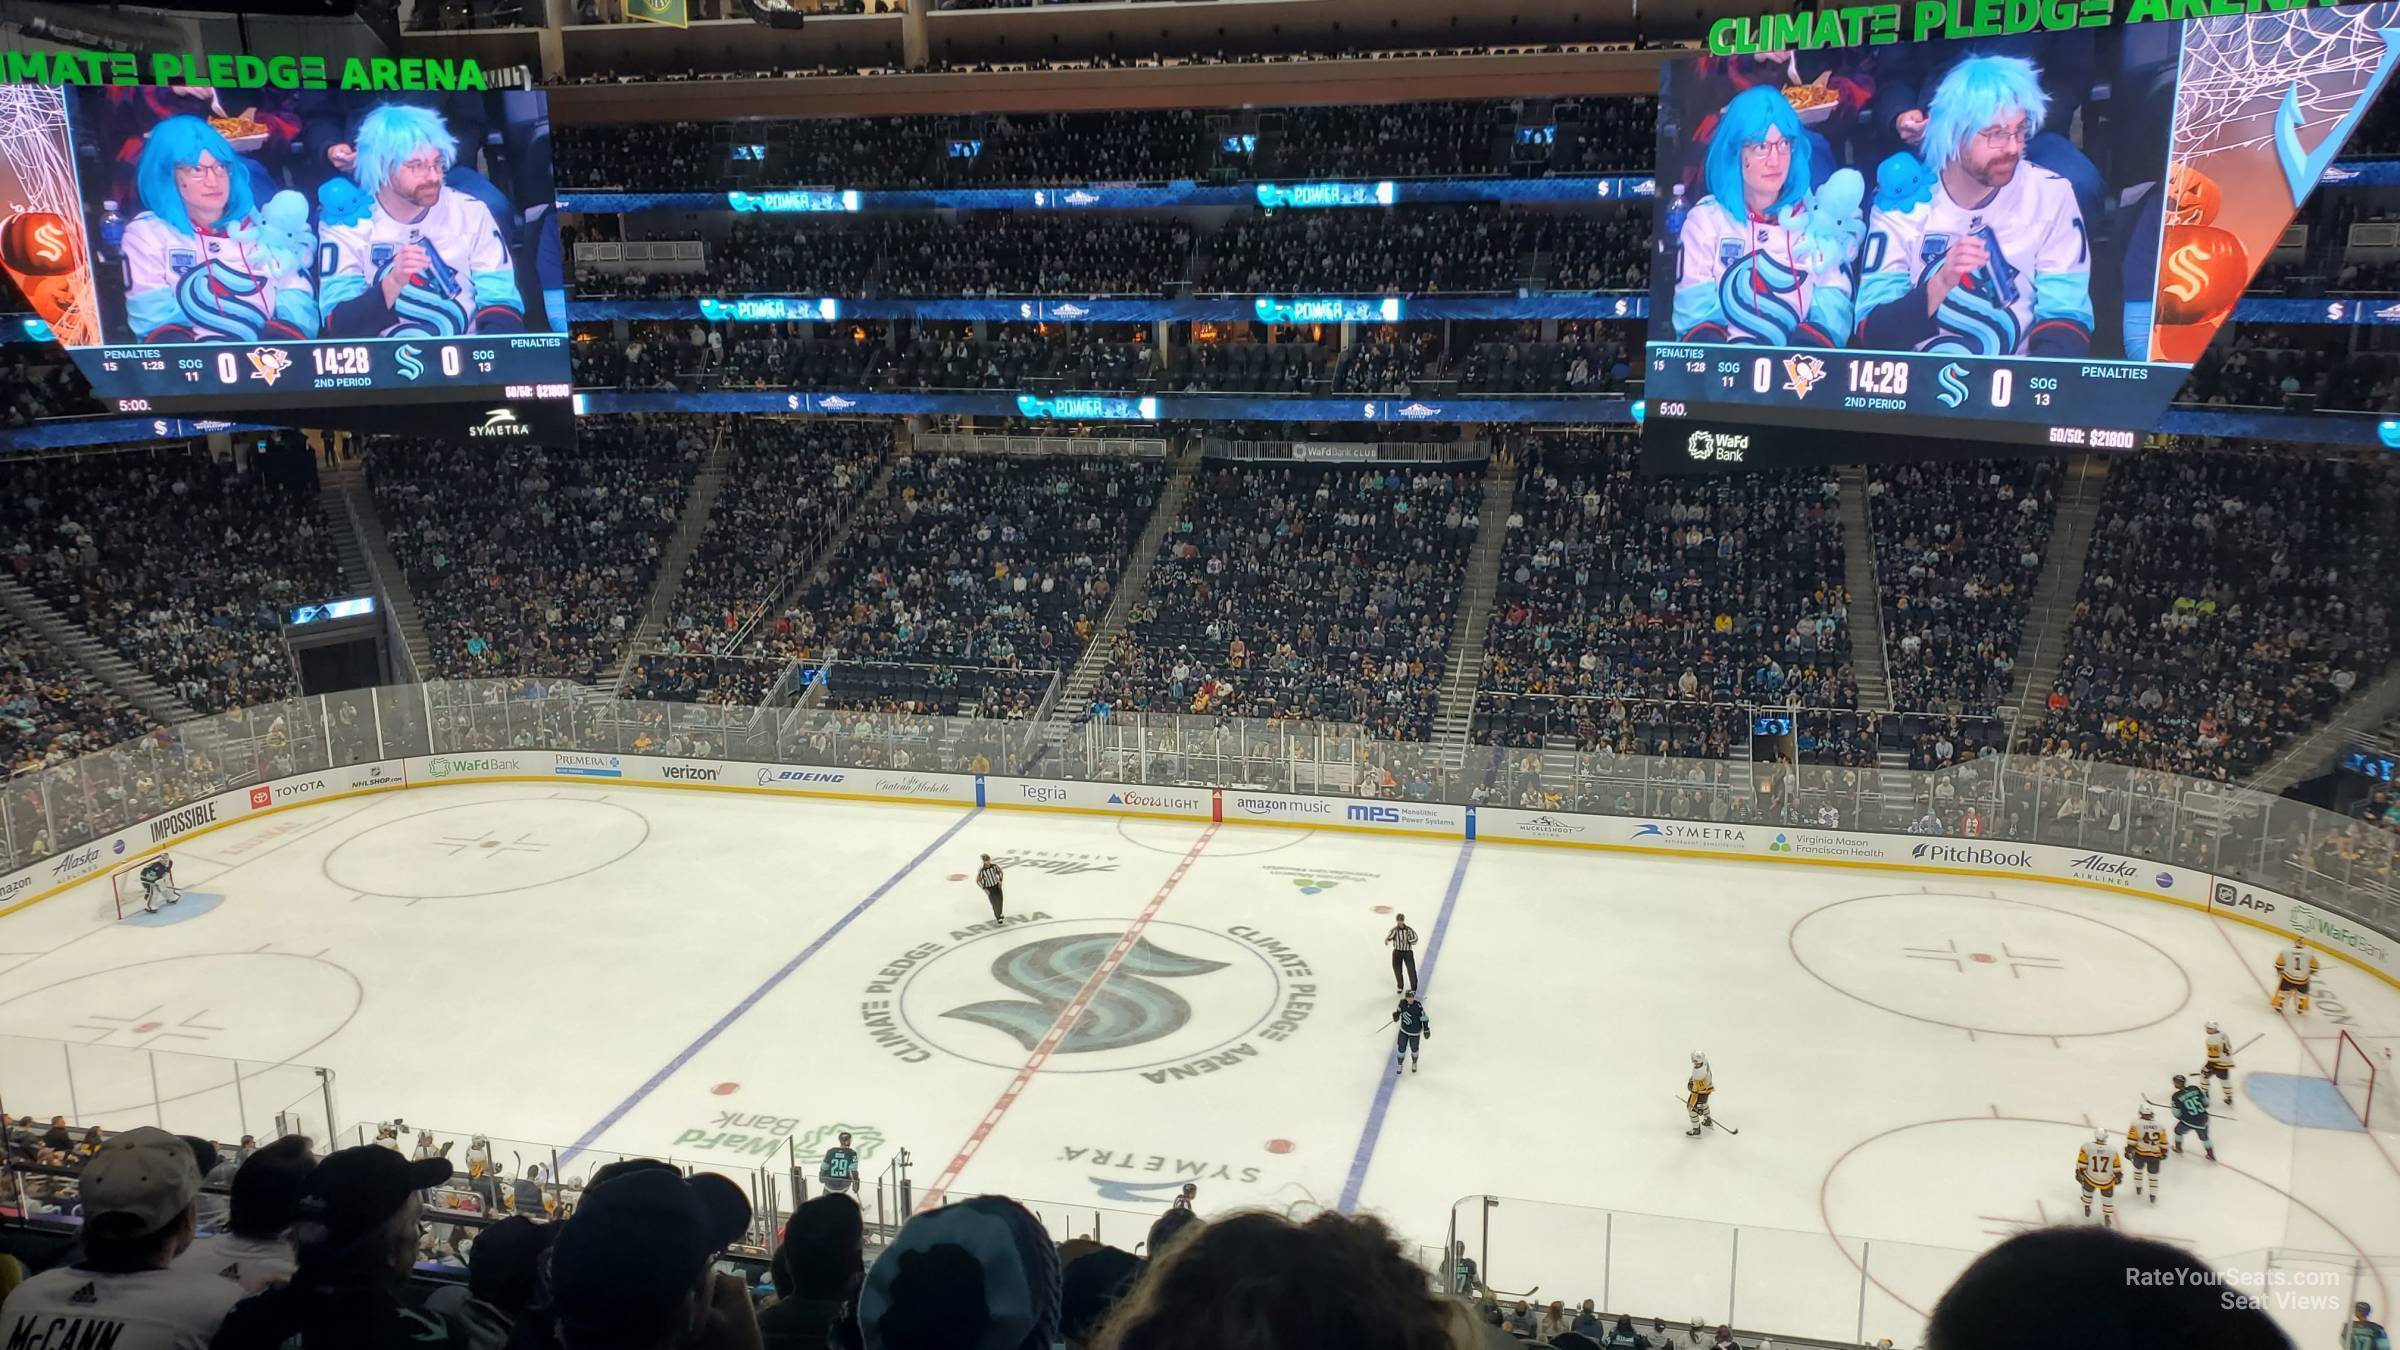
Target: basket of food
(241,133)
(1814,102)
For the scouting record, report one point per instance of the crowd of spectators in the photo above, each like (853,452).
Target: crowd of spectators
(1618,586)
(1415,249)
(780,256)
(36,384)
(51,709)
(531,561)
(1384,360)
(2228,603)
(972,560)
(1958,549)
(1018,356)
(1303,592)
(789,484)
(182,562)
(2279,366)
(1587,358)
(1467,138)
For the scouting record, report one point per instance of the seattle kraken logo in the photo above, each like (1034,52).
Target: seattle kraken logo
(1130,1009)
(407,359)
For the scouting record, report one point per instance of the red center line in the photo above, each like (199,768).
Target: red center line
(1067,1018)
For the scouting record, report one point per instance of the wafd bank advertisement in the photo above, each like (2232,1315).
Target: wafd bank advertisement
(2025,238)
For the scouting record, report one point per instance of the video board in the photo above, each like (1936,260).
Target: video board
(2020,240)
(213,248)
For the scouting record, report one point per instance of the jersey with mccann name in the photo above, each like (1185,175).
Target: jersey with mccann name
(2035,295)
(468,283)
(1745,281)
(123,1310)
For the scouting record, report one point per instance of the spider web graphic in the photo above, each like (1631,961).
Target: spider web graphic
(2235,72)
(33,142)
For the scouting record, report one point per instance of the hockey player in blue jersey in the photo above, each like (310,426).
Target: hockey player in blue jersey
(416,258)
(1750,267)
(1986,254)
(1416,1027)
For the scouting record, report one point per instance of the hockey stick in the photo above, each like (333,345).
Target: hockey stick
(2248,1043)
(2213,1115)
(1710,1119)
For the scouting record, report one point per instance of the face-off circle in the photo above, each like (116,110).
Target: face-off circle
(486,848)
(1985,964)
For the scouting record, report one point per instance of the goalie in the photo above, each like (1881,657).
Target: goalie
(158,885)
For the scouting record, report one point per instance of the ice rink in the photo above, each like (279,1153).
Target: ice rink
(1911,1061)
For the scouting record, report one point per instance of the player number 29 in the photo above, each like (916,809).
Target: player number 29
(1762,374)
(227,371)
(2004,387)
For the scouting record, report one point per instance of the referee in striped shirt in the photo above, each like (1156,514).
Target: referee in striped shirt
(1403,942)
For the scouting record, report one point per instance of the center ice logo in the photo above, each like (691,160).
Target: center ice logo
(1129,1010)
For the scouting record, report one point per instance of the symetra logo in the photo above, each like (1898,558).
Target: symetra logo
(1973,856)
(586,766)
(790,777)
(1671,832)
(690,773)
(2335,931)
(499,424)
(2102,866)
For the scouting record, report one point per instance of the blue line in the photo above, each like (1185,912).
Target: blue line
(741,1009)
(1387,1081)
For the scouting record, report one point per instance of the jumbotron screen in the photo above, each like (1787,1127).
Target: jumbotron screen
(205,248)
(2023,240)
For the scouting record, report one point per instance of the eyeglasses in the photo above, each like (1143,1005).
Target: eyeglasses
(1778,148)
(2001,138)
(423,164)
(210,170)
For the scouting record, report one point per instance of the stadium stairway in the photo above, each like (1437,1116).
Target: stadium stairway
(1462,673)
(2360,718)
(1074,696)
(809,571)
(350,505)
(115,671)
(2051,611)
(1867,650)
(676,559)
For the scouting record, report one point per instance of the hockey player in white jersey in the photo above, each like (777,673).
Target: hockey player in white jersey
(1974,250)
(1753,266)
(417,258)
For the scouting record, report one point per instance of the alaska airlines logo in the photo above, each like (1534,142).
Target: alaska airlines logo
(1131,1009)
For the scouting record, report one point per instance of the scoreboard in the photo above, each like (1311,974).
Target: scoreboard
(2064,404)
(1986,246)
(212,376)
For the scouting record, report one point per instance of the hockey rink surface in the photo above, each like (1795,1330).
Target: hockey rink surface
(1911,1061)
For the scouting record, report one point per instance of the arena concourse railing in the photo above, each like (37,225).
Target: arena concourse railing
(2346,866)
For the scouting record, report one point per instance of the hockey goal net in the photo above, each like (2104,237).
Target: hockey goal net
(126,882)
(2363,1073)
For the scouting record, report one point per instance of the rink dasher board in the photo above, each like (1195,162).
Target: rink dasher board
(1990,860)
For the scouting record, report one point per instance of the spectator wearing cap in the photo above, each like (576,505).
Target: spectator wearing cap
(356,1239)
(818,1268)
(504,1282)
(122,1291)
(981,1275)
(256,1251)
(633,1269)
